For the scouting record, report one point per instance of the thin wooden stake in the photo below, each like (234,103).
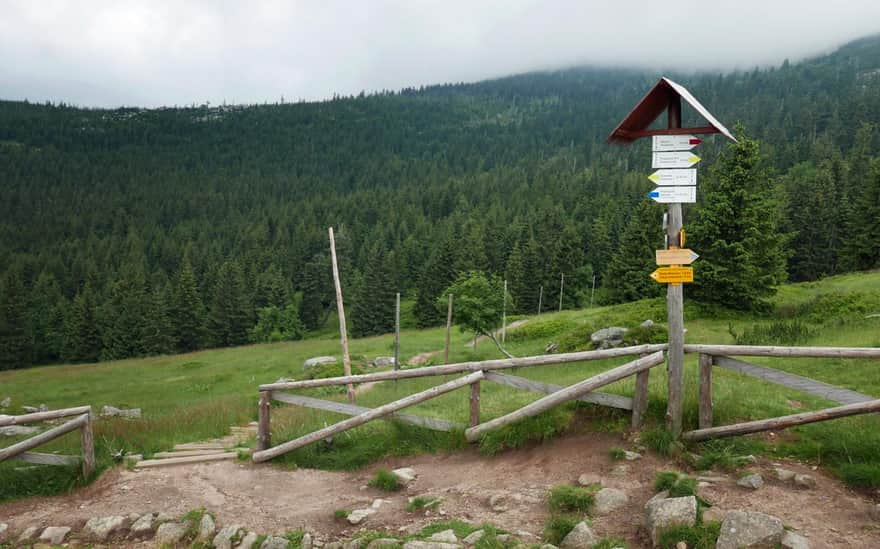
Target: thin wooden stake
(504,314)
(448,330)
(264,429)
(88,446)
(475,404)
(540,298)
(640,399)
(343,333)
(705,420)
(397,333)
(561,289)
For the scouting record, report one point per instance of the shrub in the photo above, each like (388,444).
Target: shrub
(341,514)
(385,480)
(617,454)
(660,440)
(570,499)
(700,536)
(557,527)
(419,503)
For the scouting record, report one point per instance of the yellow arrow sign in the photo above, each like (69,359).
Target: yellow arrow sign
(681,256)
(673,275)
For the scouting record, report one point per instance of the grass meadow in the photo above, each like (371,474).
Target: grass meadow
(196,396)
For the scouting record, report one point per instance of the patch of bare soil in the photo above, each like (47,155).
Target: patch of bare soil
(269,499)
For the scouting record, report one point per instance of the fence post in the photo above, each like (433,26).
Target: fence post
(706,362)
(475,404)
(264,433)
(640,399)
(88,446)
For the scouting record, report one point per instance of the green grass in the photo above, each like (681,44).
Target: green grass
(700,536)
(197,396)
(385,480)
(420,503)
(617,454)
(557,527)
(570,499)
(610,543)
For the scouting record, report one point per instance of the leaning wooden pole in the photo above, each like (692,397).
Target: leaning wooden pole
(397,332)
(44,437)
(343,333)
(448,330)
(375,413)
(569,393)
(783,422)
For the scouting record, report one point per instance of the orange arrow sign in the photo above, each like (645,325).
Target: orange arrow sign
(681,256)
(673,275)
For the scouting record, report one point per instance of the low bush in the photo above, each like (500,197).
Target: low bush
(557,527)
(385,480)
(570,499)
(699,536)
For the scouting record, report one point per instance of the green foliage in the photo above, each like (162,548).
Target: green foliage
(726,454)
(665,480)
(678,485)
(462,529)
(780,332)
(295,538)
(627,277)
(341,514)
(557,527)
(82,341)
(15,349)
(660,440)
(700,536)
(276,324)
(187,312)
(735,230)
(610,543)
(420,503)
(861,475)
(617,453)
(478,302)
(538,428)
(570,499)
(373,311)
(385,480)
(230,315)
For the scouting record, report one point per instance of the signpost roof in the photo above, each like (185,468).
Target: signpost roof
(636,123)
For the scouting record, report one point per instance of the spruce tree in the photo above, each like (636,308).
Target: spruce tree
(517,282)
(46,312)
(187,310)
(158,330)
(229,318)
(735,231)
(82,341)
(627,277)
(15,347)
(438,274)
(317,292)
(373,309)
(123,316)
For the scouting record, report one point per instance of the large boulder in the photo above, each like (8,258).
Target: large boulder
(171,533)
(607,500)
(228,536)
(417,544)
(143,526)
(4,529)
(608,337)
(446,536)
(207,527)
(383,361)
(794,541)
(55,535)
(318,361)
(664,512)
(580,537)
(748,530)
(112,411)
(275,542)
(101,528)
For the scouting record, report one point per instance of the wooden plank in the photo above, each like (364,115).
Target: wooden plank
(264,431)
(804,352)
(376,413)
(200,446)
(475,366)
(603,399)
(87,440)
(783,422)
(355,410)
(705,396)
(569,393)
(43,416)
(43,438)
(186,453)
(191,459)
(639,401)
(793,381)
(48,459)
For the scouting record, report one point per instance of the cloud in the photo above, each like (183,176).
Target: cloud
(176,52)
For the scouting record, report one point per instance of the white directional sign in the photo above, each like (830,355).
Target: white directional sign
(675,142)
(674,177)
(677,159)
(671,195)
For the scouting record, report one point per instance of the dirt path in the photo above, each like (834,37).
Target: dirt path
(512,326)
(269,499)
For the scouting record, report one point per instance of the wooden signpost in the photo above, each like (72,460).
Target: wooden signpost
(677,181)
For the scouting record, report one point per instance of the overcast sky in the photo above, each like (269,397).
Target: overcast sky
(178,52)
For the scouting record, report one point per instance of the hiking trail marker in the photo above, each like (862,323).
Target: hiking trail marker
(674,161)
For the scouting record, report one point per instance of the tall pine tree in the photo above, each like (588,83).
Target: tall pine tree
(627,277)
(187,311)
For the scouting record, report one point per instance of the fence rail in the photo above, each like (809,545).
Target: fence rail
(82,421)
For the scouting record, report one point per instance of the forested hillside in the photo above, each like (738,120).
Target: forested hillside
(130,231)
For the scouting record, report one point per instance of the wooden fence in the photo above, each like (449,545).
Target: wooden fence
(82,421)
(712,356)
(651,355)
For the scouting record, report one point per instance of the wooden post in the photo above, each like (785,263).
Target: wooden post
(475,404)
(540,298)
(448,330)
(88,446)
(397,333)
(640,399)
(705,391)
(475,342)
(264,429)
(675,307)
(592,291)
(343,334)
(561,288)
(504,314)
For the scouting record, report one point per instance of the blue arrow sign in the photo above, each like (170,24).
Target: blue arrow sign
(653,194)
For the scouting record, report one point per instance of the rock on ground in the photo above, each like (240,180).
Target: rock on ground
(631,456)
(430,545)
(100,528)
(666,512)
(588,479)
(112,411)
(4,528)
(794,541)
(608,337)
(18,430)
(225,537)
(607,500)
(805,481)
(446,536)
(580,537)
(358,515)
(275,542)
(317,361)
(783,474)
(55,534)
(6,402)
(745,529)
(405,475)
(383,361)
(753,481)
(207,528)
(29,534)
(383,542)
(474,537)
(143,526)
(171,533)
(248,541)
